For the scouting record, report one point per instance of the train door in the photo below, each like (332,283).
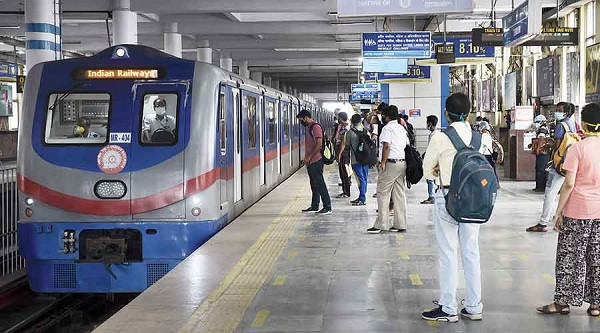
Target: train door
(278,133)
(224,151)
(261,131)
(161,114)
(237,144)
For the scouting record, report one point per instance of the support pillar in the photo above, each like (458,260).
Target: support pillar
(204,52)
(243,66)
(42,31)
(124,23)
(226,62)
(172,39)
(256,76)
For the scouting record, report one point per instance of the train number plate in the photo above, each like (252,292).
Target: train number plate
(120,137)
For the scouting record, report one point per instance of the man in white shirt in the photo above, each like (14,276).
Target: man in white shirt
(437,166)
(392,178)
(432,127)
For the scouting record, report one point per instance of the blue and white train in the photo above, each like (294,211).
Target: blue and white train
(112,195)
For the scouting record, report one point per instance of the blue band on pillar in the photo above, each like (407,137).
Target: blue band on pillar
(42,27)
(37,44)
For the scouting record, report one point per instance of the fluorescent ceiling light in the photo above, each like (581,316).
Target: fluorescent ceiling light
(10,27)
(353,23)
(307,49)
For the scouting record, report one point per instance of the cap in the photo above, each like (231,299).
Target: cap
(539,118)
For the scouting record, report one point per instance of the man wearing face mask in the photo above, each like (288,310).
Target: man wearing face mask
(83,129)
(313,159)
(160,120)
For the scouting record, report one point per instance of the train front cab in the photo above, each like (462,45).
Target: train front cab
(88,223)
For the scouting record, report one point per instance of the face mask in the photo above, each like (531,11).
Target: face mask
(80,129)
(559,116)
(160,111)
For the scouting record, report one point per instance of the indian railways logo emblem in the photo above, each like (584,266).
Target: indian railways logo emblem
(112,159)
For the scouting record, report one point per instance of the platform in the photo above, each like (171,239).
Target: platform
(275,269)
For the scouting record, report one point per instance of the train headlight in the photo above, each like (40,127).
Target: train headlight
(196,211)
(29,201)
(110,189)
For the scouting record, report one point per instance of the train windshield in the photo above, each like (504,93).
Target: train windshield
(159,119)
(77,118)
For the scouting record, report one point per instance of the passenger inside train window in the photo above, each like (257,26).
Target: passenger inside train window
(159,120)
(83,129)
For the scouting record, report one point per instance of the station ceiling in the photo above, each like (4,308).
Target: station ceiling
(301,43)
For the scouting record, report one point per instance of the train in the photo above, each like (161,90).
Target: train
(130,159)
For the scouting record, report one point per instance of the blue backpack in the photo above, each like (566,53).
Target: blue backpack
(473,186)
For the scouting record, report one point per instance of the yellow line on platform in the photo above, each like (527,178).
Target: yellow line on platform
(415,279)
(224,308)
(260,319)
(549,278)
(400,237)
(522,257)
(292,255)
(404,255)
(433,323)
(280,280)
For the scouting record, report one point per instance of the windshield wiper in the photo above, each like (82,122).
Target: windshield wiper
(66,94)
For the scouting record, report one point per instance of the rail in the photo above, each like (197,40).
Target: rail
(12,265)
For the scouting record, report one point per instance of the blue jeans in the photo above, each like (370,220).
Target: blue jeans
(362,173)
(430,186)
(317,185)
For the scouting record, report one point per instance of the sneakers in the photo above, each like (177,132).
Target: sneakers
(393,229)
(375,195)
(342,196)
(465,314)
(438,314)
(537,228)
(358,203)
(310,210)
(428,201)
(354,201)
(373,230)
(324,211)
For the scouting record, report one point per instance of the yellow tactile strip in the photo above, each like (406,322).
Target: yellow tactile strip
(224,308)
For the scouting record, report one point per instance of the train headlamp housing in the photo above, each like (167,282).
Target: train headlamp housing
(110,189)
(28,201)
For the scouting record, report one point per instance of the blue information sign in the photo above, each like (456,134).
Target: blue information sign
(8,70)
(414,73)
(515,24)
(401,7)
(412,44)
(365,91)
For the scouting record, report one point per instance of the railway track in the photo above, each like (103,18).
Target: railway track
(22,310)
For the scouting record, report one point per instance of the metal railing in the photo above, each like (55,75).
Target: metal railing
(11,263)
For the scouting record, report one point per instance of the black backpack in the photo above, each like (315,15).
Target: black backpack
(414,165)
(326,146)
(366,151)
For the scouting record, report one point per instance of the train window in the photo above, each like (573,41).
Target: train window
(159,119)
(271,110)
(77,118)
(286,122)
(223,122)
(251,101)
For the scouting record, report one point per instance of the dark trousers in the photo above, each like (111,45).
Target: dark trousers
(317,185)
(540,171)
(345,178)
(492,163)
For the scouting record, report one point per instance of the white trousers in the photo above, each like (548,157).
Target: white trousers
(449,234)
(554,183)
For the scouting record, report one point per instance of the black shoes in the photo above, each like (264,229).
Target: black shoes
(358,203)
(465,314)
(342,196)
(429,201)
(324,211)
(438,314)
(373,230)
(310,210)
(393,229)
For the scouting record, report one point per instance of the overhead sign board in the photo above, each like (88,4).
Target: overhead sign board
(523,23)
(444,53)
(365,91)
(548,37)
(411,44)
(414,73)
(465,51)
(397,66)
(129,74)
(348,8)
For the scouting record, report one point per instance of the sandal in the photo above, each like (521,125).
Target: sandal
(562,309)
(537,228)
(594,311)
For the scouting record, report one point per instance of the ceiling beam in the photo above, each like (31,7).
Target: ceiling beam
(212,6)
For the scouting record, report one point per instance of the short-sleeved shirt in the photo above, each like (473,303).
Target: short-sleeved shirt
(584,160)
(313,132)
(560,129)
(397,137)
(152,123)
(487,142)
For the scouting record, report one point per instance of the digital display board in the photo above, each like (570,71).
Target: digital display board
(548,37)
(385,65)
(464,51)
(411,44)
(414,73)
(365,91)
(127,74)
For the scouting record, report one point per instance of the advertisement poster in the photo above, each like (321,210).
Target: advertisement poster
(510,91)
(592,74)
(6,100)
